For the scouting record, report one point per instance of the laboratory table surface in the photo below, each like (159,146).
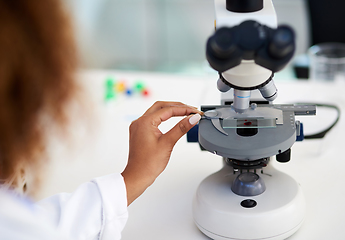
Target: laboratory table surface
(98,145)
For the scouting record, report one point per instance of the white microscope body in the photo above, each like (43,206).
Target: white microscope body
(248,198)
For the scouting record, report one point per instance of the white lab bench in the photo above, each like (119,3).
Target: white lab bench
(164,211)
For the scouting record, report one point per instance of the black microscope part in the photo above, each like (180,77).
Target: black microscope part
(269,48)
(252,36)
(222,43)
(284,156)
(245,165)
(246,132)
(248,203)
(244,6)
(282,43)
(222,51)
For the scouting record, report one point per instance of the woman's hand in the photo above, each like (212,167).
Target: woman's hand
(149,148)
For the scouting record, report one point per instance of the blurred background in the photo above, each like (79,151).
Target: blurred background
(160,35)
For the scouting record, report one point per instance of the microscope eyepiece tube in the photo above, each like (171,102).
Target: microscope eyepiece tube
(269,91)
(241,100)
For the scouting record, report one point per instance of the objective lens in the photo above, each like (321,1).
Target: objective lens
(269,91)
(241,100)
(222,86)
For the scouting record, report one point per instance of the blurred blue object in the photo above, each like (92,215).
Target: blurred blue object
(301,135)
(192,134)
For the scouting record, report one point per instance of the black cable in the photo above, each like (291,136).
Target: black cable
(323,133)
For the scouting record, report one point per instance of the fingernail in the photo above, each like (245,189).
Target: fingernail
(194,119)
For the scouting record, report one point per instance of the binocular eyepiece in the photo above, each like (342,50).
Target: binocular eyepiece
(269,48)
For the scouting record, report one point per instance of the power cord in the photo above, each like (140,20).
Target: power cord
(323,133)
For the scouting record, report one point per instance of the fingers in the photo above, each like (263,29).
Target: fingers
(173,111)
(160,104)
(162,111)
(181,128)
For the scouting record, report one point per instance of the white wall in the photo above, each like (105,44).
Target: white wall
(158,35)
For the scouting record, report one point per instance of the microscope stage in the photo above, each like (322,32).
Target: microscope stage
(272,130)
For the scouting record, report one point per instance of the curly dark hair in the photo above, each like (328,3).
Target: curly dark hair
(37,63)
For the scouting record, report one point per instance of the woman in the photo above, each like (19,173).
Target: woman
(37,63)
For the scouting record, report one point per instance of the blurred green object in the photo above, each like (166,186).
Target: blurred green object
(139,87)
(109,90)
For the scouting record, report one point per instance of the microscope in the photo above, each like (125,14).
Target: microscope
(248,198)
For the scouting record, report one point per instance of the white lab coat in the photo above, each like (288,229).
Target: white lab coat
(96,210)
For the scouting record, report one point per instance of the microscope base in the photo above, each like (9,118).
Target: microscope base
(280,237)
(275,214)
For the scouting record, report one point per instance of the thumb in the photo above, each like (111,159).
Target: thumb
(181,128)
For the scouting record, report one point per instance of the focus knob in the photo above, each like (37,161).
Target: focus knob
(284,156)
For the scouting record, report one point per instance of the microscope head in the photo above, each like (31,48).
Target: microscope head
(247,48)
